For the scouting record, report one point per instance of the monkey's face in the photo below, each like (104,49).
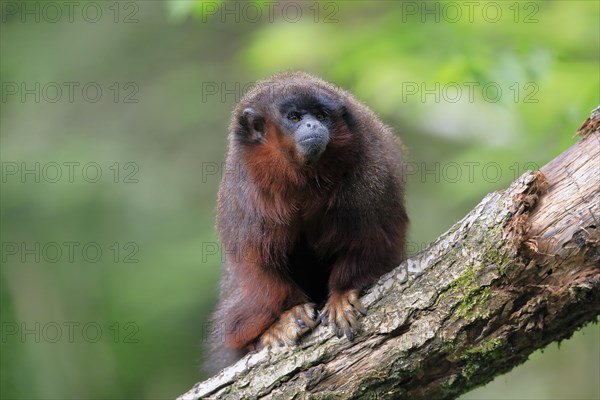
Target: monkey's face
(299,126)
(309,123)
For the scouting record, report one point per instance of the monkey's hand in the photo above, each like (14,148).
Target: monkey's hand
(341,312)
(290,326)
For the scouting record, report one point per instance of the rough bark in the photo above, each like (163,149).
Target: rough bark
(518,272)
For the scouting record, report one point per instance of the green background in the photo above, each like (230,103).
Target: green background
(479,92)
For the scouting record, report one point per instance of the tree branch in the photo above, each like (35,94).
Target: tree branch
(518,272)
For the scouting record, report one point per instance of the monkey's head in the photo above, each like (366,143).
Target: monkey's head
(291,120)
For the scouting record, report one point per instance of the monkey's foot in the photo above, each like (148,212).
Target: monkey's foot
(341,312)
(290,326)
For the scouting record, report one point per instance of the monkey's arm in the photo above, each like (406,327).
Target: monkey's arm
(348,277)
(261,297)
(366,251)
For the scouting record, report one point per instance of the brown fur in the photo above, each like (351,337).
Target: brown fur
(294,233)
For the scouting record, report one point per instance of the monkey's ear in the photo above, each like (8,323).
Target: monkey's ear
(253,125)
(347,116)
(338,105)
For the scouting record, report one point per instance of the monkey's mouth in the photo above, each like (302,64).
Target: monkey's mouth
(311,139)
(311,148)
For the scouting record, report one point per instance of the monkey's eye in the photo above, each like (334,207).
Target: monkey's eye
(294,117)
(321,116)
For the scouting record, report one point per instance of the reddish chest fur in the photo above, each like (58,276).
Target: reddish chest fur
(284,189)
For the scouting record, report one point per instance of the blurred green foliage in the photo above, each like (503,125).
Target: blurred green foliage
(479,92)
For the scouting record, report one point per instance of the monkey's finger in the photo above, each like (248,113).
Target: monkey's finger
(290,326)
(358,306)
(330,316)
(351,324)
(270,339)
(356,303)
(337,331)
(349,334)
(324,318)
(342,327)
(309,315)
(278,338)
(341,323)
(309,309)
(298,317)
(305,316)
